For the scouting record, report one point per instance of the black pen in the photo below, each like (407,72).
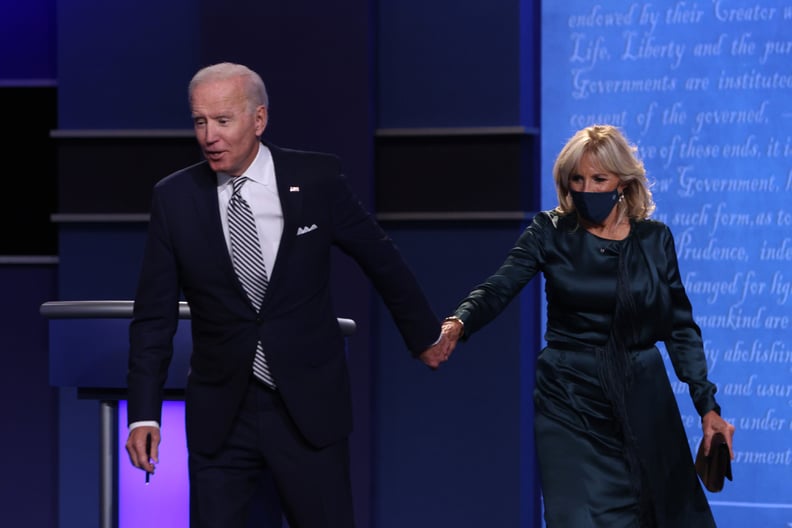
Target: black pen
(148,455)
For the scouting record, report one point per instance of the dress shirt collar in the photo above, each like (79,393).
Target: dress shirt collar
(260,171)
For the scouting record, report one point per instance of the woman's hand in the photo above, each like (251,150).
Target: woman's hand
(450,332)
(712,423)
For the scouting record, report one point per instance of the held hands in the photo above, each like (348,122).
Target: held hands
(136,447)
(712,423)
(450,332)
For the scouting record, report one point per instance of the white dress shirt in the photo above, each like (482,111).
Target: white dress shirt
(261,193)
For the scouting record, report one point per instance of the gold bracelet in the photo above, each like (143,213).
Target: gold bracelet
(458,320)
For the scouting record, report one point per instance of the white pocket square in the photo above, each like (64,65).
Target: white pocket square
(306,229)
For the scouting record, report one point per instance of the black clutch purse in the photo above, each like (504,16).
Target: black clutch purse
(713,468)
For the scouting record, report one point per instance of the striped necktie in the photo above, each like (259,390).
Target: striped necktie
(248,263)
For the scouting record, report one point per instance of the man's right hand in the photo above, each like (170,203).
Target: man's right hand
(136,447)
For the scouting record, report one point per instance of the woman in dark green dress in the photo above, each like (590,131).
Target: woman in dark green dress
(611,446)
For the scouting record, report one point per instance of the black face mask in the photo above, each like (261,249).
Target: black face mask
(595,206)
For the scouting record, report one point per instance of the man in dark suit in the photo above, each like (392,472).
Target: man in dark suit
(268,387)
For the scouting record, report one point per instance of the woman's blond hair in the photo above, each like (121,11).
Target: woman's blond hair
(611,151)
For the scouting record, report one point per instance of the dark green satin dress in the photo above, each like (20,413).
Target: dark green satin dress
(587,443)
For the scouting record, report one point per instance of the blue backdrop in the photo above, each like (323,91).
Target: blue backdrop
(703,89)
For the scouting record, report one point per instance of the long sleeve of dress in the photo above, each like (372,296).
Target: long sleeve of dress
(685,346)
(522,263)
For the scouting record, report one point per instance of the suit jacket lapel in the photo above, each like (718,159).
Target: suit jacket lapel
(291,205)
(207,218)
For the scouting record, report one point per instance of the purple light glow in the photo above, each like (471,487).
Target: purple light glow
(164,502)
